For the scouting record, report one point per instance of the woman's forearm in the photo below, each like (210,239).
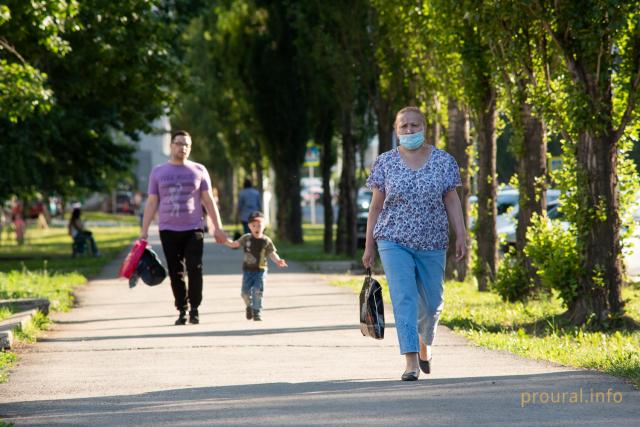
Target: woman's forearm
(454,212)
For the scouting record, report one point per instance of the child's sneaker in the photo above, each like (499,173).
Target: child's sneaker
(256,316)
(249,313)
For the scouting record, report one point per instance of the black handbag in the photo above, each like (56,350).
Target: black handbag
(149,269)
(371,308)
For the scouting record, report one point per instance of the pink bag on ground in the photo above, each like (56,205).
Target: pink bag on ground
(131,261)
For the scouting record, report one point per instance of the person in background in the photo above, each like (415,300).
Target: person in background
(78,231)
(249,200)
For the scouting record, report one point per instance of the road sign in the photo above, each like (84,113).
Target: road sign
(312,156)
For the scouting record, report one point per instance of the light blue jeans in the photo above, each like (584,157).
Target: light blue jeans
(252,288)
(416,281)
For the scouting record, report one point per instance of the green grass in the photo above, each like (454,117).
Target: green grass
(44,268)
(50,250)
(124,219)
(312,248)
(7,359)
(30,331)
(536,330)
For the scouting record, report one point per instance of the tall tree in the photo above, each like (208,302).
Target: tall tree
(463,21)
(119,74)
(276,83)
(459,145)
(512,37)
(598,44)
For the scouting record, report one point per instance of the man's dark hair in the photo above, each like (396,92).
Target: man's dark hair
(180,133)
(248,183)
(255,215)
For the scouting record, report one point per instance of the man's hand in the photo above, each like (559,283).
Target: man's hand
(220,236)
(144,235)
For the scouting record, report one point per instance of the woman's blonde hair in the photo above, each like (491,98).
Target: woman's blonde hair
(410,109)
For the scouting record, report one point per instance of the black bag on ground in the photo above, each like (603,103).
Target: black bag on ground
(150,269)
(371,308)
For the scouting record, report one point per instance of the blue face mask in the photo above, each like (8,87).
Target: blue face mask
(412,141)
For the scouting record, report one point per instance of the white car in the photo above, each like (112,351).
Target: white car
(506,225)
(507,206)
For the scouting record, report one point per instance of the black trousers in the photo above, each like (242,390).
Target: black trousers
(183,251)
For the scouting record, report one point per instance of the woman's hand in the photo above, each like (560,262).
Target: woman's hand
(369,256)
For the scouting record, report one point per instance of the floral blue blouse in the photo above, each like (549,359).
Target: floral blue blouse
(413,213)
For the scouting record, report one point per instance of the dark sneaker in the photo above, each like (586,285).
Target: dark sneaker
(194,317)
(182,318)
(256,316)
(249,313)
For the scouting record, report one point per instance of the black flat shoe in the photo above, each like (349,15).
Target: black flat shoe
(410,376)
(425,365)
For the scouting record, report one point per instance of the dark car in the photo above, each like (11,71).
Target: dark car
(363,202)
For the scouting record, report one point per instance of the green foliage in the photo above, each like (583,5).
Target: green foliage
(7,359)
(22,90)
(554,254)
(109,66)
(513,282)
(29,332)
(23,87)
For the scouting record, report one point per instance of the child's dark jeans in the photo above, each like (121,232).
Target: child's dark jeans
(252,288)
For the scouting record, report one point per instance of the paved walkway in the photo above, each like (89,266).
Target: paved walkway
(117,359)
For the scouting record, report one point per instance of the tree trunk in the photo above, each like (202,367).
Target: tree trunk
(259,173)
(458,143)
(324,135)
(289,214)
(385,126)
(486,229)
(532,169)
(599,232)
(346,238)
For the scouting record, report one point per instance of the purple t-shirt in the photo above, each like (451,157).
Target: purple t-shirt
(178,188)
(413,213)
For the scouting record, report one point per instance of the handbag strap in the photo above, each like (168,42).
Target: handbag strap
(368,272)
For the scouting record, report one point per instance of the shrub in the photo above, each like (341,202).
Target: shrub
(513,282)
(553,252)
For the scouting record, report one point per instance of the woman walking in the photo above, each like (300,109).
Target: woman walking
(414,200)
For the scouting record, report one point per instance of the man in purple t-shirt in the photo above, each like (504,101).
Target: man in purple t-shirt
(177,191)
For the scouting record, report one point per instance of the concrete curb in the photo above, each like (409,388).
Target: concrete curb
(27,309)
(338,267)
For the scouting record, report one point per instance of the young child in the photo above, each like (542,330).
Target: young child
(256,248)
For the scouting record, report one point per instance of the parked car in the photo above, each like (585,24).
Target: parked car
(508,223)
(363,202)
(507,205)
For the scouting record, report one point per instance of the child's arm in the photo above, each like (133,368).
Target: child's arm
(279,261)
(232,244)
